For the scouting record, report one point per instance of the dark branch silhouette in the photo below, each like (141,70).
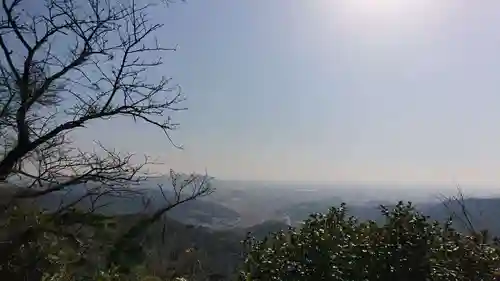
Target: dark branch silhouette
(47,92)
(64,65)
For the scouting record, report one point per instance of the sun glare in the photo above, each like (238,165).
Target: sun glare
(380,15)
(381,9)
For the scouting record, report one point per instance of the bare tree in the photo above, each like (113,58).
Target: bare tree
(459,212)
(65,64)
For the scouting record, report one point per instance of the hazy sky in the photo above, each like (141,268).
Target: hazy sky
(331,90)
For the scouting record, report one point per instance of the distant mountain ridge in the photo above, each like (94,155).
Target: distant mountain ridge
(239,204)
(483,213)
(143,199)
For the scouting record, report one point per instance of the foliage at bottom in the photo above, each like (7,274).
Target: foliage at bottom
(407,246)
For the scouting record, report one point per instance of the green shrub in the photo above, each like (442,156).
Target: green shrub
(407,246)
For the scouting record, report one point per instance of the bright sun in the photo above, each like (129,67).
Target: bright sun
(377,17)
(380,8)
(371,14)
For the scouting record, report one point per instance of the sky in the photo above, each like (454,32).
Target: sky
(329,90)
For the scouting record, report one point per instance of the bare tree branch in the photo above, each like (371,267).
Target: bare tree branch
(63,65)
(106,71)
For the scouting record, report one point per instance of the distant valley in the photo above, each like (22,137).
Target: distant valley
(241,205)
